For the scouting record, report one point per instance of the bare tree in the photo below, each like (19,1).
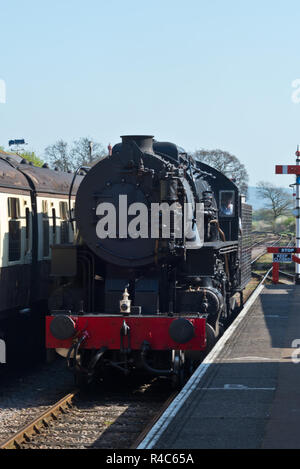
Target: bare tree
(85,151)
(59,156)
(277,199)
(227,164)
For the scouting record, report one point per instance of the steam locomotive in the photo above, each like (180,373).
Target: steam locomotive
(161,251)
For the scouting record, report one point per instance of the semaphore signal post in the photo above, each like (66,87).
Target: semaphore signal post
(289,254)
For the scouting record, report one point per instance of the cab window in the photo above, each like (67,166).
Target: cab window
(227,204)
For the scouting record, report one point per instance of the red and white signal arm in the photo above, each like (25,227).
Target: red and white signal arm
(288,169)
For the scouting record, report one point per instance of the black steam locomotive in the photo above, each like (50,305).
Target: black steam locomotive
(161,251)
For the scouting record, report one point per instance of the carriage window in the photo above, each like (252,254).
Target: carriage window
(46,249)
(27,229)
(14,229)
(13,208)
(54,225)
(45,207)
(64,226)
(63,210)
(227,200)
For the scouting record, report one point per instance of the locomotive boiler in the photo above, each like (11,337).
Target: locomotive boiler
(161,251)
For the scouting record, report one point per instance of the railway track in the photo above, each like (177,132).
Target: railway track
(259,276)
(96,420)
(36,426)
(260,249)
(264,250)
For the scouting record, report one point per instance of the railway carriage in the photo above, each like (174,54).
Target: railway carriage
(34,206)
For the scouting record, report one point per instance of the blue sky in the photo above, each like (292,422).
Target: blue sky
(201,74)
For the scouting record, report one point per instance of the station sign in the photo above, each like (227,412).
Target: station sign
(282,258)
(283,255)
(283,250)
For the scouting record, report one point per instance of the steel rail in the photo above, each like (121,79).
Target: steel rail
(33,428)
(265,251)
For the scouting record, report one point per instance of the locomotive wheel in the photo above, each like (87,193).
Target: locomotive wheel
(211,338)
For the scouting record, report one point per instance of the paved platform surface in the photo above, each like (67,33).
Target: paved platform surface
(249,397)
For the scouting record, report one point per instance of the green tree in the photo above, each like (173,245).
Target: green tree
(27,155)
(263,214)
(33,158)
(289,225)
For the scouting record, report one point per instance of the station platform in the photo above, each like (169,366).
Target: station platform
(246,394)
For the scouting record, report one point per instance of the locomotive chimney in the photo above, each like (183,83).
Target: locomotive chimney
(144,142)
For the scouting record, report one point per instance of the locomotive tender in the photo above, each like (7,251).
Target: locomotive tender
(34,215)
(138,291)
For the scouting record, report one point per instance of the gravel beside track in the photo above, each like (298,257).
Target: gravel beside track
(25,394)
(107,423)
(109,415)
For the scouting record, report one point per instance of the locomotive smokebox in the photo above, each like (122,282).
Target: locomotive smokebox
(129,207)
(113,204)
